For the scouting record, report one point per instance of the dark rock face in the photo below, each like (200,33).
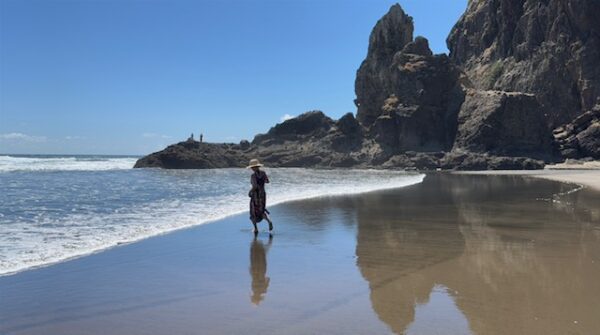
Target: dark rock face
(415,160)
(391,33)
(349,136)
(195,155)
(580,137)
(548,48)
(311,140)
(503,124)
(420,47)
(476,161)
(407,98)
(312,124)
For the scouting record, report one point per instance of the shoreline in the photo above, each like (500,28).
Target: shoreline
(585,175)
(214,220)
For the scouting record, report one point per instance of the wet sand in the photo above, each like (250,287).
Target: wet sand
(457,254)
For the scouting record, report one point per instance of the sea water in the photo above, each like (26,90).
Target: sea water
(54,208)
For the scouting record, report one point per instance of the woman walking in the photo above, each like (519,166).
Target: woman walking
(258,196)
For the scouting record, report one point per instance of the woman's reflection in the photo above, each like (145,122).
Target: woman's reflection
(258,269)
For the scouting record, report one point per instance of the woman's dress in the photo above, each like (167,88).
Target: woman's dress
(258,197)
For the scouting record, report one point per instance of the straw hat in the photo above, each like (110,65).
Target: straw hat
(253,162)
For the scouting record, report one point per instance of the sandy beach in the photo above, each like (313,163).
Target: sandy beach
(586,174)
(456,254)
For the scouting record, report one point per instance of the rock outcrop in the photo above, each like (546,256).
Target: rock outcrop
(460,160)
(407,98)
(191,154)
(503,124)
(548,48)
(516,70)
(580,138)
(311,140)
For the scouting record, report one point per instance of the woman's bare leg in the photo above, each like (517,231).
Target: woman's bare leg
(266,217)
(255,231)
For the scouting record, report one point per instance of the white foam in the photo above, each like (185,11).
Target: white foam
(89,163)
(55,238)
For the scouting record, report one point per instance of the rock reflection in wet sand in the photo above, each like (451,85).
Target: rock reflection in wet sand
(512,261)
(439,312)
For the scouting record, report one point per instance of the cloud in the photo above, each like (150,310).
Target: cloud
(72,138)
(155,135)
(20,137)
(286,117)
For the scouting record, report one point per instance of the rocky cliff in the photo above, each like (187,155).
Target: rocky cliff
(503,124)
(548,48)
(517,69)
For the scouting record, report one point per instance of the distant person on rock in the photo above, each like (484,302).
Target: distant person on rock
(258,196)
(201,137)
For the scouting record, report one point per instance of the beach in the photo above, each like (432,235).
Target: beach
(586,174)
(408,158)
(455,254)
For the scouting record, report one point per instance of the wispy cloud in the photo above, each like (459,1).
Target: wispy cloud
(286,117)
(72,138)
(155,135)
(20,137)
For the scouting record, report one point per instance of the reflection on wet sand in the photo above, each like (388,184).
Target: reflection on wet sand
(258,269)
(513,261)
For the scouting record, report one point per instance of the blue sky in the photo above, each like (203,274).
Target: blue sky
(130,77)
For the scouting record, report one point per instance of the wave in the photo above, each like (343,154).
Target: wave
(65,163)
(49,237)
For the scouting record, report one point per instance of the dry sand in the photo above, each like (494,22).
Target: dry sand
(585,174)
(456,254)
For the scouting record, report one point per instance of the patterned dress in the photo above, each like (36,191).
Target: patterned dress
(258,197)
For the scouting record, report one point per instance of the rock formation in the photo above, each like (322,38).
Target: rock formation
(516,70)
(548,48)
(191,154)
(407,98)
(311,140)
(581,137)
(503,123)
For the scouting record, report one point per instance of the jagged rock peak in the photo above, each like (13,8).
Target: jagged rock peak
(407,98)
(391,33)
(420,46)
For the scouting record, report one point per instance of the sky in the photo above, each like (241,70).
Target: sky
(128,77)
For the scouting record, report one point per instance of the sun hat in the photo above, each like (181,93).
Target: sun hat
(253,162)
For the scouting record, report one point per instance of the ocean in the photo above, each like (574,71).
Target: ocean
(53,208)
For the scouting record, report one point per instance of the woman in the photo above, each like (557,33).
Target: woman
(258,197)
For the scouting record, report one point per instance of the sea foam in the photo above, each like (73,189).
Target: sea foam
(65,163)
(47,217)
